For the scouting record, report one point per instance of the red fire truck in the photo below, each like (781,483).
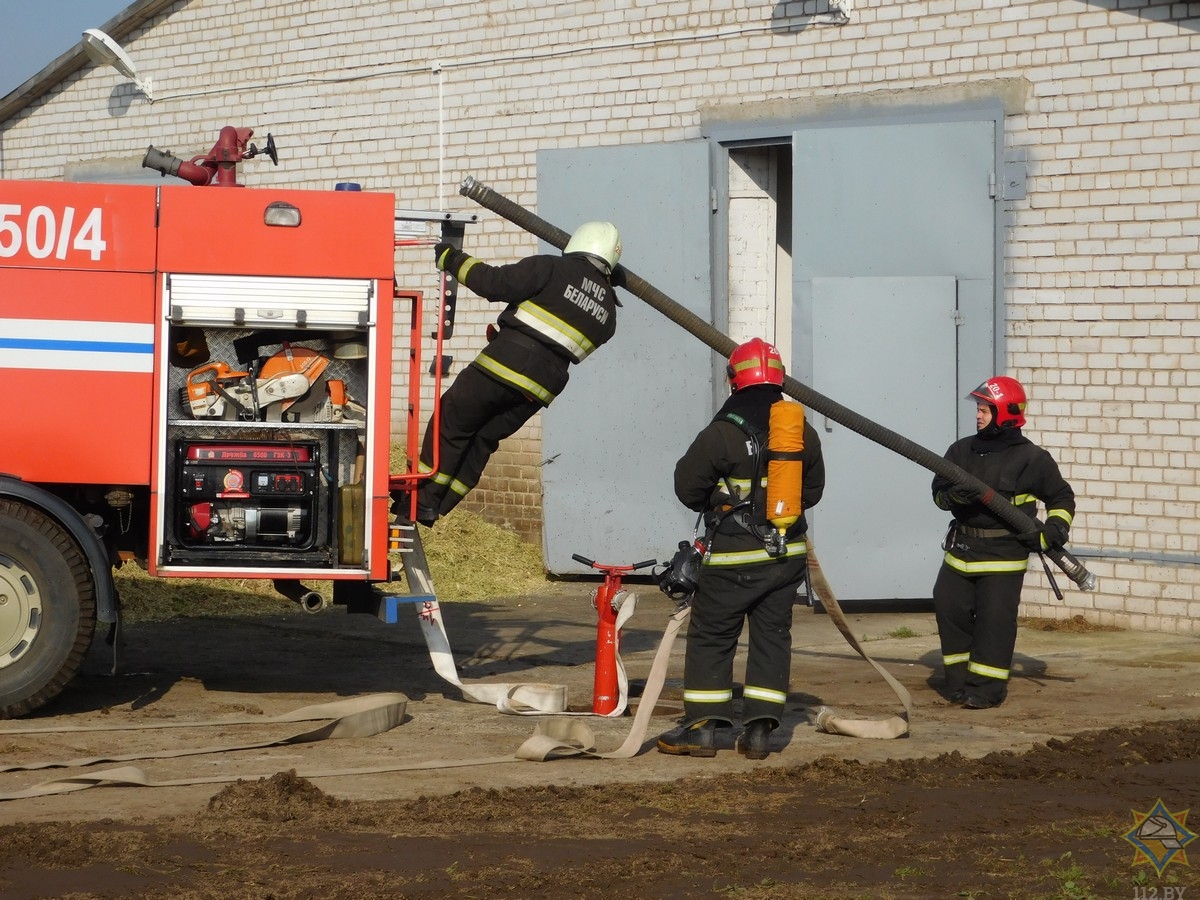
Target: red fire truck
(196,377)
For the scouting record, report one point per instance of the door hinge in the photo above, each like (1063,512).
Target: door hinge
(959,319)
(712,199)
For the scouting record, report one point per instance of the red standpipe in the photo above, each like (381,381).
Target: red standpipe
(606,692)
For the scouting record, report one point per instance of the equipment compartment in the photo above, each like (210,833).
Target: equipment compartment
(266,437)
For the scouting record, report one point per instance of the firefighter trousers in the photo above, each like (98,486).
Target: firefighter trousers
(727,597)
(977,625)
(477,413)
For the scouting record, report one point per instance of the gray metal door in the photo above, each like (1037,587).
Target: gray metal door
(894,257)
(876,532)
(610,442)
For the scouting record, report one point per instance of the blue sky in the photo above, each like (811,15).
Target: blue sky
(33,33)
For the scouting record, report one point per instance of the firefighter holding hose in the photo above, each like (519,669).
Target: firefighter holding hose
(978,586)
(752,472)
(558,310)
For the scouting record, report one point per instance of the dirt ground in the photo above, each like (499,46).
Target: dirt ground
(1032,799)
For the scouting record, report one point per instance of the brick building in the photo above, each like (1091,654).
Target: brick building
(1096,105)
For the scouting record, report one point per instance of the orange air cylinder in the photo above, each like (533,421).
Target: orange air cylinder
(785,471)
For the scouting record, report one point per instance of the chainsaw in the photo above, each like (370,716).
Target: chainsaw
(217,391)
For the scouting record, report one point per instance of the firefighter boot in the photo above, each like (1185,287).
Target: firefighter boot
(755,739)
(427,506)
(955,690)
(401,504)
(990,693)
(696,739)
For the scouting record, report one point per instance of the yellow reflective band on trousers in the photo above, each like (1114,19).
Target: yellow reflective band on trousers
(987,566)
(515,378)
(546,323)
(953,659)
(987,671)
(722,696)
(765,694)
(453,483)
(750,557)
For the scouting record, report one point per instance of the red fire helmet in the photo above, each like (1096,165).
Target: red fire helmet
(1007,398)
(755,362)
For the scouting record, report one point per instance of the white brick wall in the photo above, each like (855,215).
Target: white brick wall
(752,242)
(1099,280)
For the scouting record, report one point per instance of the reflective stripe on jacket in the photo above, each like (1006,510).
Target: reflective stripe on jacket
(559,310)
(1021,472)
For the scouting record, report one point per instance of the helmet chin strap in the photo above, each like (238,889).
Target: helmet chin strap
(598,263)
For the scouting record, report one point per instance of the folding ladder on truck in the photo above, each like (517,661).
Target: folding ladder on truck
(412,227)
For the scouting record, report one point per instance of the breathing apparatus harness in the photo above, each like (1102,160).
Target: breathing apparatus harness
(678,579)
(751,512)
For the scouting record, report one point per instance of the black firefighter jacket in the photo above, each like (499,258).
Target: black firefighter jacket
(560,309)
(1020,471)
(720,457)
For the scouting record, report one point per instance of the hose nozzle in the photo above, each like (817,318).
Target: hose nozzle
(167,164)
(1075,570)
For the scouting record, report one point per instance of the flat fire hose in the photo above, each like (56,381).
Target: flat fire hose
(521,699)
(827,720)
(554,738)
(562,735)
(557,738)
(560,738)
(356,717)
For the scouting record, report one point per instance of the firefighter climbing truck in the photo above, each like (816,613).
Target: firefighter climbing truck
(196,378)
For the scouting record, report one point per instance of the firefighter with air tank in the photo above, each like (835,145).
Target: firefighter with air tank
(750,473)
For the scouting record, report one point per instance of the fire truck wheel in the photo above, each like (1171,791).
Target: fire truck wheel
(47,608)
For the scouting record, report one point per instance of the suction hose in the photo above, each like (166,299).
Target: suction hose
(724,345)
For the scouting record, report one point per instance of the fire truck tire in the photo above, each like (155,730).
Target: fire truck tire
(47,608)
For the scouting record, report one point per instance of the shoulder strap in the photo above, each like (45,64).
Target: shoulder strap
(749,513)
(753,431)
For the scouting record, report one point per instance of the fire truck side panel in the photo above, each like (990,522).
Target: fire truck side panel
(76,373)
(344,234)
(97,227)
(245,485)
(378,499)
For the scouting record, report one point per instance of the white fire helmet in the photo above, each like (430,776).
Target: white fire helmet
(599,240)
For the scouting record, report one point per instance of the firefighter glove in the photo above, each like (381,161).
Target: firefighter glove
(442,254)
(963,495)
(956,494)
(1054,534)
(1031,540)
(720,500)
